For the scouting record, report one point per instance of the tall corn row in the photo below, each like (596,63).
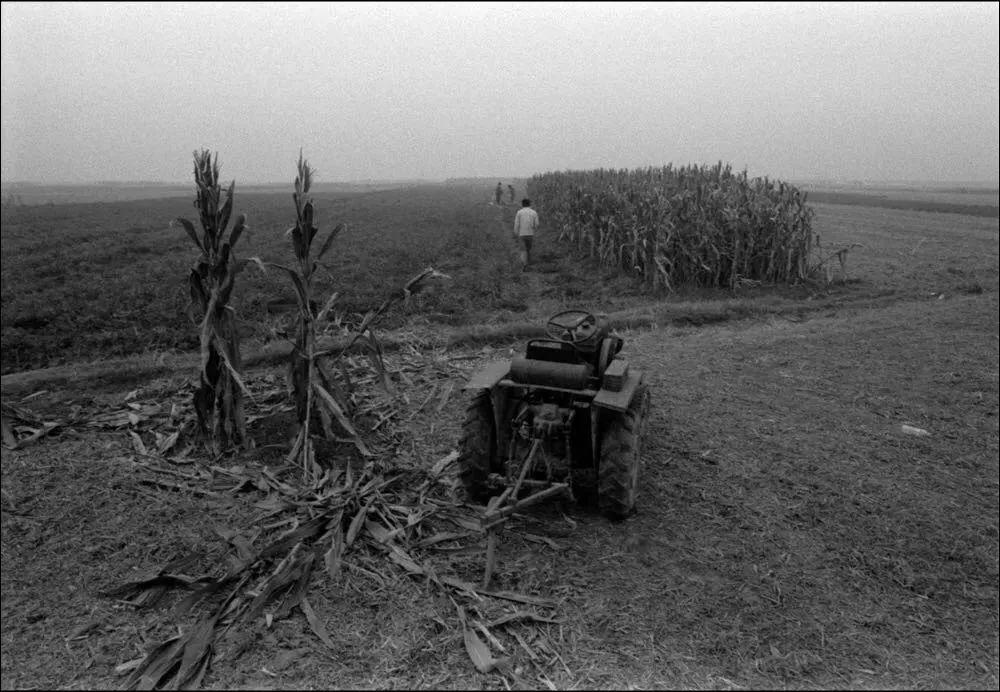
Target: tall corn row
(218,399)
(692,225)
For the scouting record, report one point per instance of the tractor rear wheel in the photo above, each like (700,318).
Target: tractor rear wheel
(477,453)
(618,470)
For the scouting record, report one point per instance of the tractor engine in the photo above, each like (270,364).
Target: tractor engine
(551,425)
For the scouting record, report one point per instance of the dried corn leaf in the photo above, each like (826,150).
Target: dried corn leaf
(84,630)
(273,504)
(356,523)
(161,580)
(165,576)
(379,532)
(541,539)
(245,553)
(489,636)
(298,591)
(504,595)
(197,650)
(332,557)
(378,579)
(283,577)
(127,666)
(520,615)
(202,592)
(9,440)
(403,559)
(37,434)
(137,443)
(338,413)
(480,654)
(376,483)
(466,523)
(189,228)
(374,350)
(443,401)
(194,682)
(307,530)
(441,538)
(524,645)
(315,624)
(328,243)
(165,444)
(442,463)
(430,395)
(455,551)
(156,665)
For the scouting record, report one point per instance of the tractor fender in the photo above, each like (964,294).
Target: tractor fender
(620,400)
(489,376)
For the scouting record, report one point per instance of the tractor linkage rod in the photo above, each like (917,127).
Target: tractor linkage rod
(493,518)
(500,515)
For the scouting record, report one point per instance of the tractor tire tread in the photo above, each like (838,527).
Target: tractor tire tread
(477,446)
(618,470)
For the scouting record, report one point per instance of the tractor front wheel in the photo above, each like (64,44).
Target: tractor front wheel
(618,470)
(477,453)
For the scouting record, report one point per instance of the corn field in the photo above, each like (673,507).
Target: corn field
(692,225)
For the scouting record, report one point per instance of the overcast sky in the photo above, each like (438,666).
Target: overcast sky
(119,91)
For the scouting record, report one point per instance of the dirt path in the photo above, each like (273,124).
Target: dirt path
(789,533)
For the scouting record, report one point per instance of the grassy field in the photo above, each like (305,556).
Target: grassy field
(790,535)
(91,281)
(37,194)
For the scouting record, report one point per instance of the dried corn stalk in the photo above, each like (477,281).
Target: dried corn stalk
(320,398)
(314,388)
(218,399)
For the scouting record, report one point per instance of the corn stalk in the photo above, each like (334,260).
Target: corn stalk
(320,399)
(314,388)
(218,400)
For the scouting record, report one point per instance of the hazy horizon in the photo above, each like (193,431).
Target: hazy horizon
(992,185)
(97,93)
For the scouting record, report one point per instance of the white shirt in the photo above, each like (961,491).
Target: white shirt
(525,221)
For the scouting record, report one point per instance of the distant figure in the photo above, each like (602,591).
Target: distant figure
(498,193)
(525,224)
(510,193)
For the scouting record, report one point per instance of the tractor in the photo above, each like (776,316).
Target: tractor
(565,419)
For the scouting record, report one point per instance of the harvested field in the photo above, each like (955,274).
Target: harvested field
(790,534)
(974,200)
(985,210)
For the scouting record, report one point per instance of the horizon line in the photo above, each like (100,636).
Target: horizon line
(169,183)
(375,181)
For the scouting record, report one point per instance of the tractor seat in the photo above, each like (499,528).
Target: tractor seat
(530,371)
(552,351)
(596,355)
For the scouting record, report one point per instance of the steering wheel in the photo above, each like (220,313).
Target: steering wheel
(571,326)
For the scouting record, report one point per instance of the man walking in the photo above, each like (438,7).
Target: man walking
(525,223)
(498,194)
(510,193)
